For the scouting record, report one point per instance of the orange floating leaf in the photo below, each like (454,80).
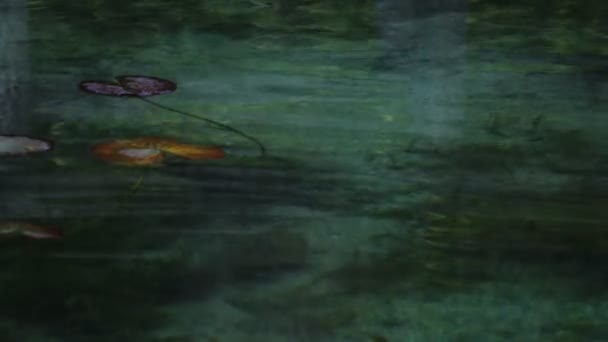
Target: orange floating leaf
(194,152)
(127,152)
(148,151)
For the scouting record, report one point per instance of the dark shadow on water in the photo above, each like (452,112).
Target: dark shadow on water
(187,229)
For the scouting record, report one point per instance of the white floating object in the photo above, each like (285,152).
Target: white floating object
(11,145)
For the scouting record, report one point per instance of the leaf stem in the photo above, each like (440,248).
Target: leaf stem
(220,125)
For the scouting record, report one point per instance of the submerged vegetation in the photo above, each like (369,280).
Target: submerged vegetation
(337,17)
(519,201)
(497,207)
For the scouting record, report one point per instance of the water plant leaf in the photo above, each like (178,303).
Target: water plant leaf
(127,152)
(143,86)
(193,152)
(129,85)
(104,88)
(149,151)
(14,145)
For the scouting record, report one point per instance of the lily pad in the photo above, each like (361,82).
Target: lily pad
(129,85)
(127,152)
(144,86)
(13,145)
(149,151)
(104,88)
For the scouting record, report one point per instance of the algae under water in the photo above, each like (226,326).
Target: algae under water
(436,171)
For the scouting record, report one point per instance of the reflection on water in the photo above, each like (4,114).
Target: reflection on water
(386,172)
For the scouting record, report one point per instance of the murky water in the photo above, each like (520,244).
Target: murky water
(431,174)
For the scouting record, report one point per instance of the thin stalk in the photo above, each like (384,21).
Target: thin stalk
(213,122)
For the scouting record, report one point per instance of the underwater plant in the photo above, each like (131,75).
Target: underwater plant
(142,87)
(149,151)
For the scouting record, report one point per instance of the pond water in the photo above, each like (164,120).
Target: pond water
(427,174)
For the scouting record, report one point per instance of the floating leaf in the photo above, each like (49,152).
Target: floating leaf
(127,152)
(143,86)
(104,88)
(129,85)
(12,145)
(194,152)
(148,151)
